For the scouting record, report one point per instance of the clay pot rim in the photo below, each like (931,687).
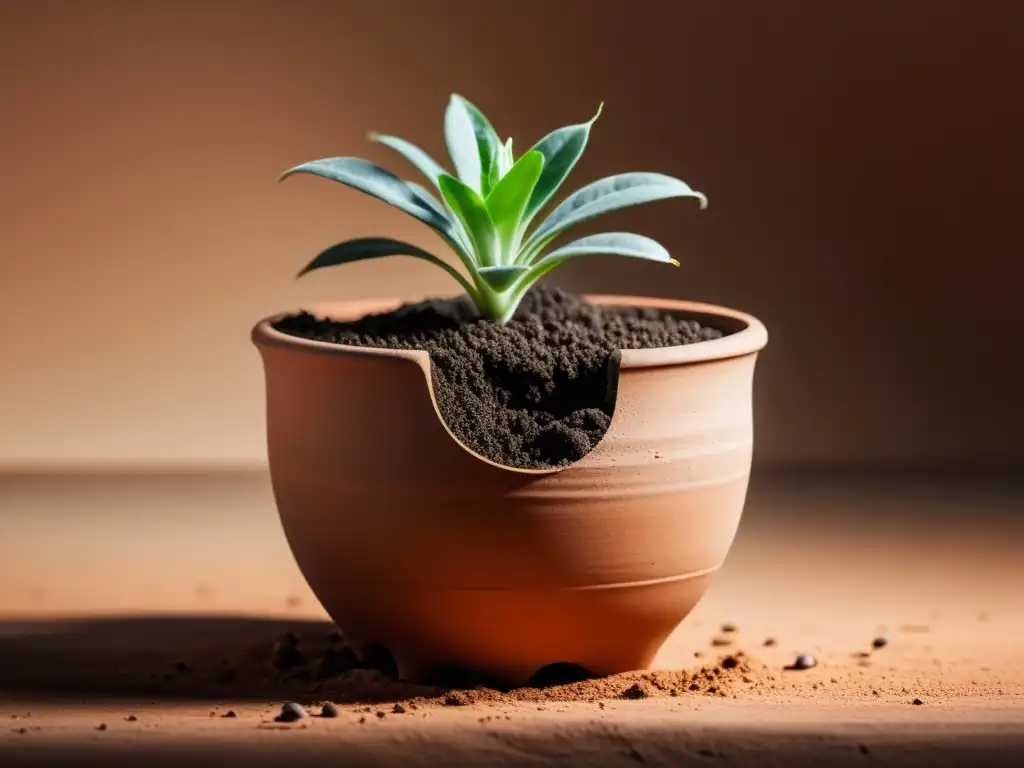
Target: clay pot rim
(747,335)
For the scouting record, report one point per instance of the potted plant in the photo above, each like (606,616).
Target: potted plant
(515,477)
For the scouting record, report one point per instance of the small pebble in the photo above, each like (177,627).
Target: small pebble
(769,642)
(290,712)
(131,718)
(380,714)
(101,727)
(229,713)
(803,661)
(720,641)
(329,710)
(398,709)
(880,642)
(729,627)
(917,702)
(729,662)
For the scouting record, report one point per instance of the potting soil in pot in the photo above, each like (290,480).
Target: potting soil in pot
(533,393)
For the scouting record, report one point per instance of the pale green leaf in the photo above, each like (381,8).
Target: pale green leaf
(377,182)
(459,233)
(608,195)
(508,200)
(505,158)
(467,205)
(375,248)
(502,277)
(424,163)
(472,143)
(614,243)
(561,150)
(423,195)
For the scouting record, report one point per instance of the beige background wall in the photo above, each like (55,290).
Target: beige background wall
(862,161)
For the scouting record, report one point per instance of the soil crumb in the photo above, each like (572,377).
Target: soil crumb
(537,392)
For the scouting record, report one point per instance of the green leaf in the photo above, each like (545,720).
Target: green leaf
(561,150)
(615,243)
(423,195)
(458,231)
(407,197)
(375,248)
(508,200)
(501,278)
(472,211)
(503,164)
(505,158)
(375,181)
(424,163)
(608,195)
(472,143)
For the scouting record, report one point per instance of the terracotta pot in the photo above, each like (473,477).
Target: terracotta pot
(415,543)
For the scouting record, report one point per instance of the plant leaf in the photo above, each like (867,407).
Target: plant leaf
(505,158)
(615,192)
(472,143)
(615,243)
(503,164)
(424,163)
(424,196)
(407,197)
(561,150)
(501,278)
(375,248)
(472,211)
(606,195)
(507,201)
(373,180)
(458,230)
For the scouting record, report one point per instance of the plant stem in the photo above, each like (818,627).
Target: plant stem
(493,306)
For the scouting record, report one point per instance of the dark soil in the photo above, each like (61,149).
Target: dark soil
(537,392)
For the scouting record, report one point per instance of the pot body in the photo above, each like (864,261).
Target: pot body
(414,543)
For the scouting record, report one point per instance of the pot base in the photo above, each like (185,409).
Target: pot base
(506,638)
(427,672)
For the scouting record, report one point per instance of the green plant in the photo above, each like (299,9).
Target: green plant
(488,209)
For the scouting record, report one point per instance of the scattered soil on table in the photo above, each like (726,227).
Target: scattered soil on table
(537,392)
(363,683)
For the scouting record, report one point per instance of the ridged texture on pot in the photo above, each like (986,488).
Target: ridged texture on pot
(413,542)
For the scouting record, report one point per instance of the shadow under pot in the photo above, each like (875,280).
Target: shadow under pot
(415,544)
